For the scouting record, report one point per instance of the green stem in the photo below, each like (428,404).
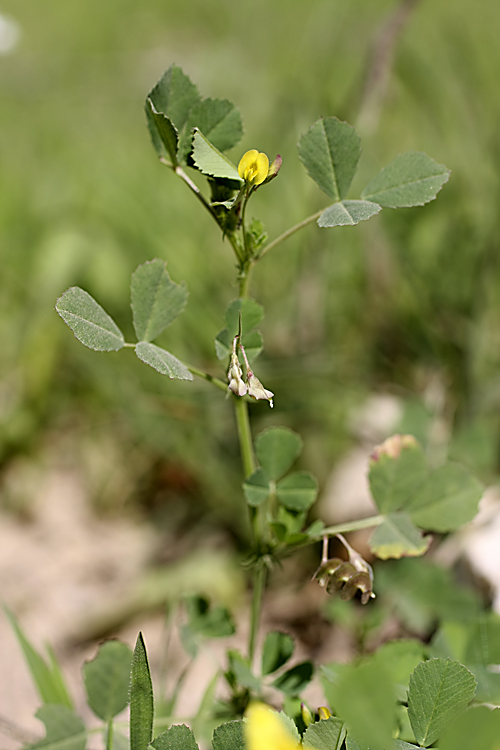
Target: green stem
(245,279)
(259,582)
(205,376)
(244,436)
(289,233)
(343,528)
(109,735)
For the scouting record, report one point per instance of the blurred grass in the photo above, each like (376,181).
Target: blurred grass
(408,299)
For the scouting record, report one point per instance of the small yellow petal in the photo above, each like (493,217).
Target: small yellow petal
(265,730)
(253,167)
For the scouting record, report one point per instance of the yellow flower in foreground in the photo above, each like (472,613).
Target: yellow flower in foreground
(265,730)
(253,167)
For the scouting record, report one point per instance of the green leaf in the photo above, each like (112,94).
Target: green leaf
(348,213)
(483,646)
(278,648)
(177,737)
(396,745)
(156,300)
(229,736)
(162,361)
(208,621)
(447,500)
(251,315)
(256,488)
(218,120)
(395,478)
(165,132)
(276,449)
(330,152)
(47,678)
(398,537)
(64,730)
(173,96)
(107,679)
(327,734)
(210,161)
(440,689)
(88,321)
(476,729)
(297,491)
(399,658)
(141,699)
(364,698)
(412,179)
(241,670)
(296,679)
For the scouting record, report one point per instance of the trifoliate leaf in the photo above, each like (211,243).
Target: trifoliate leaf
(348,213)
(412,179)
(156,300)
(440,689)
(89,322)
(398,537)
(218,120)
(330,152)
(107,679)
(162,361)
(210,161)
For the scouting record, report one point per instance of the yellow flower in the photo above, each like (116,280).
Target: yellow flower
(265,730)
(253,167)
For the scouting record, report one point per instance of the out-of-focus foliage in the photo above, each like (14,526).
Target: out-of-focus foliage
(410,298)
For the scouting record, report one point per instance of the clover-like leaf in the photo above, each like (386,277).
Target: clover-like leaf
(256,488)
(242,671)
(156,300)
(327,734)
(397,468)
(277,649)
(440,689)
(277,448)
(447,500)
(348,213)
(229,736)
(64,730)
(176,737)
(364,698)
(296,679)
(210,161)
(89,322)
(478,728)
(330,152)
(107,679)
(297,491)
(398,537)
(411,179)
(163,132)
(162,361)
(218,120)
(173,96)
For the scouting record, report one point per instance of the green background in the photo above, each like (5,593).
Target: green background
(399,303)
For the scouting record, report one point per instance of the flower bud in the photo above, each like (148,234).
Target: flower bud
(273,169)
(307,716)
